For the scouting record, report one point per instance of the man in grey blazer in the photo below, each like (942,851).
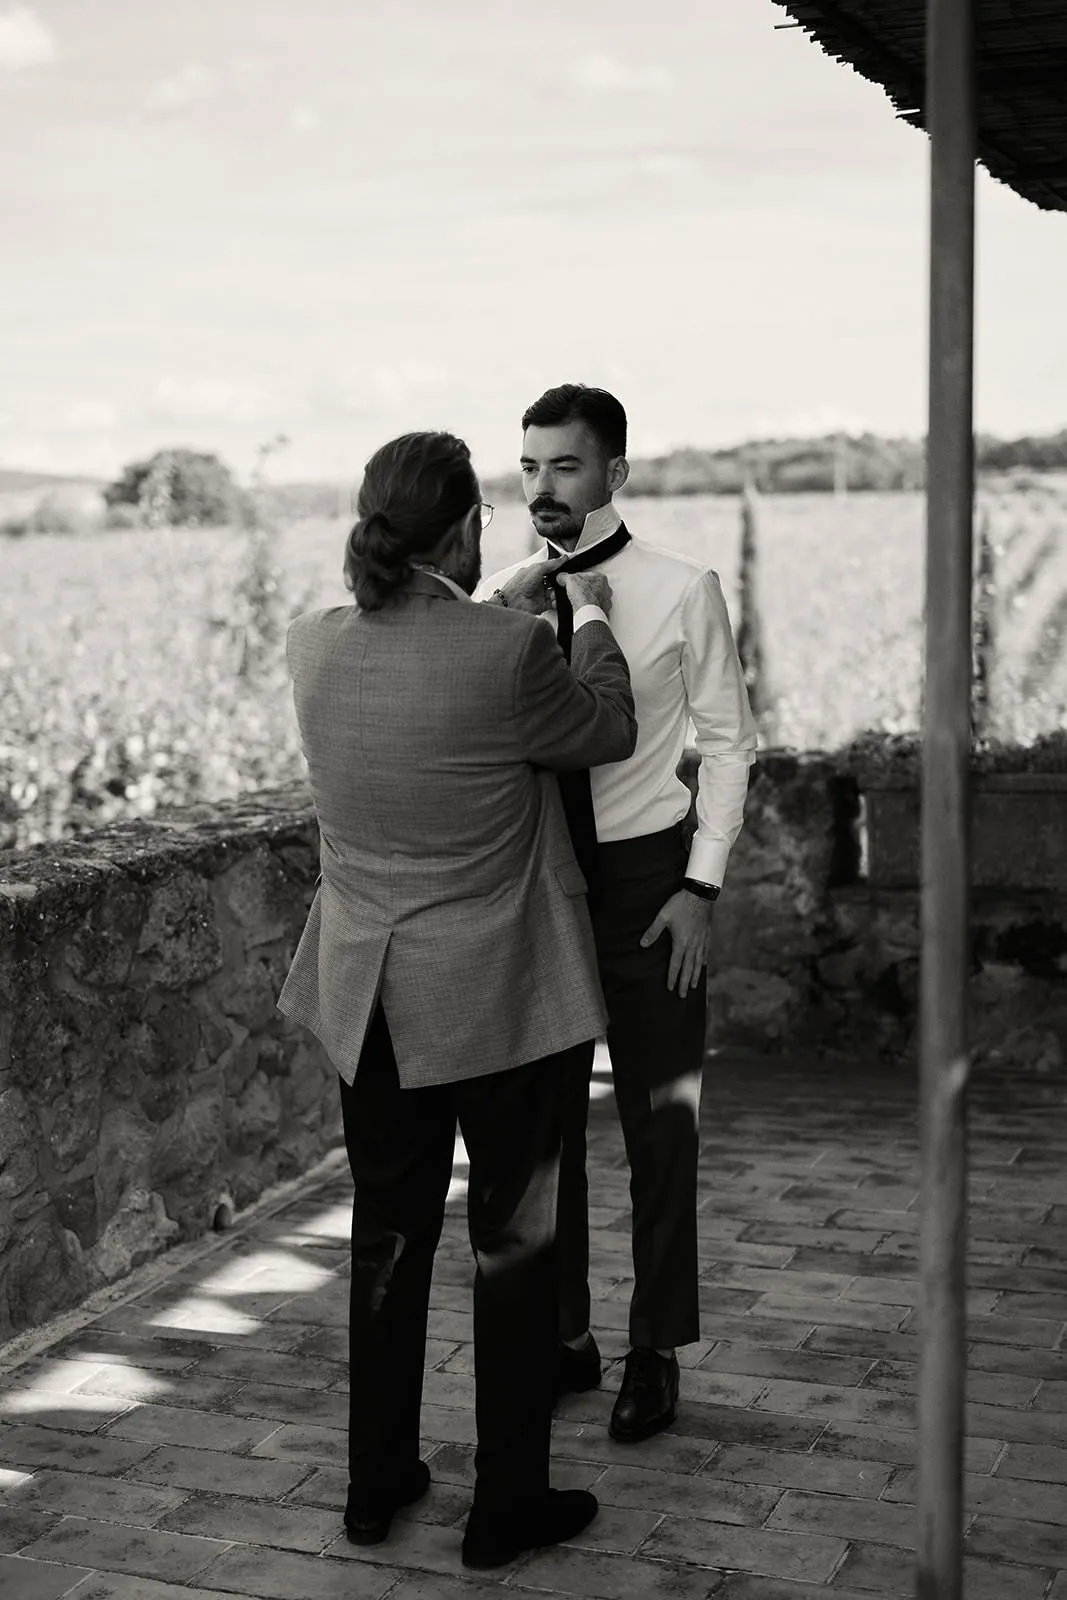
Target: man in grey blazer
(448,965)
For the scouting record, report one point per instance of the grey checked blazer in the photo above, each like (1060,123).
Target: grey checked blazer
(431,730)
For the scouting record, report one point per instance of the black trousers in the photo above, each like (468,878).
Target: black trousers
(656,1043)
(401,1144)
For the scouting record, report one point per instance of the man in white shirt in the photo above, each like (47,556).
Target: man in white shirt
(652,887)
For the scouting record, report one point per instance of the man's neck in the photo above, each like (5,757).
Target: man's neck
(599,524)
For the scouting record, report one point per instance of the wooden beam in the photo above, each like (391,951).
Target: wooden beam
(944,1047)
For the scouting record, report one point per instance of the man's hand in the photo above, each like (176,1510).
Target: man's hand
(587,589)
(688,920)
(525,590)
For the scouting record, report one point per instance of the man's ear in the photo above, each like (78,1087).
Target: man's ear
(618,472)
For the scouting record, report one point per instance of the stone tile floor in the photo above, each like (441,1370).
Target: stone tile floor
(182,1439)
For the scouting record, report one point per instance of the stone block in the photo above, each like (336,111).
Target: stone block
(124,1156)
(139,1229)
(1018,833)
(255,1118)
(19,1141)
(179,942)
(76,1208)
(750,1007)
(185,1162)
(45,1272)
(255,895)
(100,952)
(247,995)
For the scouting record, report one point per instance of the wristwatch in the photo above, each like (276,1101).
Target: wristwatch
(703,891)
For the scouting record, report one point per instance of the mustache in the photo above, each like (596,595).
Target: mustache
(543,503)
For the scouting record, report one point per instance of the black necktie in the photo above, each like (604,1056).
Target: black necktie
(574,787)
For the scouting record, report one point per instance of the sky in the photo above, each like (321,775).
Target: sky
(225,220)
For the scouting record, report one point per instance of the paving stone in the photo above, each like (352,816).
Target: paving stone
(203,1430)
(141,1321)
(840,1404)
(667,1451)
(830,1239)
(1026,1427)
(325,1407)
(566,1570)
(880,1568)
(454,1464)
(251,1522)
(729,1425)
(1034,1544)
(289,1575)
(897,1445)
(869,1342)
(686,1494)
(1023,1499)
(292,1442)
(791,1469)
(743,1586)
(119,1586)
(850,1314)
(215,1472)
(813,1557)
(440,1586)
(146,1551)
(803,1365)
(10,1479)
(1046,1463)
(987,1388)
(298,1370)
(1051,1397)
(72,1412)
(21,1525)
(847,1519)
(147,1384)
(24,1579)
(50,1447)
(53,1374)
(80,1494)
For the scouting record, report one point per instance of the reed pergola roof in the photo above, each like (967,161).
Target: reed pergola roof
(1021,77)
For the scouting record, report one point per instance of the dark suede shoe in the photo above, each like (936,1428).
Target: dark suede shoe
(369,1512)
(493,1538)
(648,1397)
(577,1370)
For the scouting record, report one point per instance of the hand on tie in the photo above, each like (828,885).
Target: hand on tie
(587,589)
(526,590)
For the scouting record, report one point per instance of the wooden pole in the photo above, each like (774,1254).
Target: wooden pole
(950,120)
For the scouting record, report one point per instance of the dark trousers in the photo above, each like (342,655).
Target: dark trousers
(401,1144)
(656,1043)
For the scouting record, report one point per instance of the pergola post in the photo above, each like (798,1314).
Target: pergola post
(944,1050)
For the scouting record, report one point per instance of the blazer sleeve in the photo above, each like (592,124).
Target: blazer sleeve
(575,716)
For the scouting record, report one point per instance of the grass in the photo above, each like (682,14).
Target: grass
(127,681)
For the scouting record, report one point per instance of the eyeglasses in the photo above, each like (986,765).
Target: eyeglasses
(487,514)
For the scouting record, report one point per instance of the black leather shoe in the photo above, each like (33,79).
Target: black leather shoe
(648,1397)
(493,1538)
(577,1370)
(369,1512)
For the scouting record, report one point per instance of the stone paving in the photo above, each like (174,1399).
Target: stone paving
(186,1442)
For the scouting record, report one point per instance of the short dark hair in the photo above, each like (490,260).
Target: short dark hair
(414,489)
(602,414)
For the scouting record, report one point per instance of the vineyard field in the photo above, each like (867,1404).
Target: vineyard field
(127,681)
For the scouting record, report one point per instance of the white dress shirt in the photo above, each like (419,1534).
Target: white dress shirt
(670,619)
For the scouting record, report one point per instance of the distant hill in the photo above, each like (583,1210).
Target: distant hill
(13,481)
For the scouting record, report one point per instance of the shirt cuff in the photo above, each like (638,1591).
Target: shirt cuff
(589,614)
(707,861)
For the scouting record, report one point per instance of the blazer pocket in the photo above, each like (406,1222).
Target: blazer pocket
(571,877)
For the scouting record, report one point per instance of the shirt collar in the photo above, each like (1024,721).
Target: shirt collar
(599,524)
(434,572)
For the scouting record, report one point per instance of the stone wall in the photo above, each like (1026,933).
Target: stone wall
(145,1072)
(817,937)
(144,1069)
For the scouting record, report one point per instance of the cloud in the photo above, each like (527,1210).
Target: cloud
(183,88)
(24,40)
(213,400)
(607,75)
